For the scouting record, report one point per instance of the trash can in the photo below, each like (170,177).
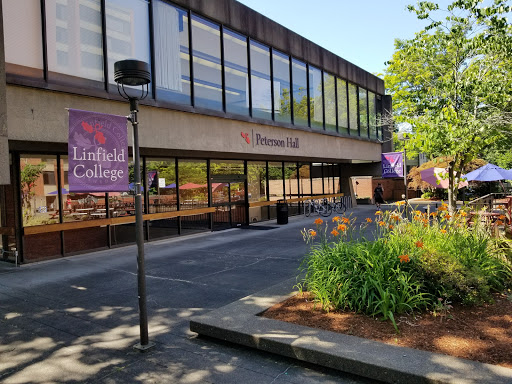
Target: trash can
(282,212)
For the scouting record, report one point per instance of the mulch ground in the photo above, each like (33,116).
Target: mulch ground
(482,333)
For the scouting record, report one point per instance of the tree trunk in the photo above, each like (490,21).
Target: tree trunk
(452,190)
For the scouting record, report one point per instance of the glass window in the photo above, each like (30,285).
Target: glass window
(22,37)
(300,93)
(172,54)
(378,107)
(161,175)
(316,98)
(341,90)
(207,66)
(275,177)
(291,187)
(192,184)
(257,189)
(74,38)
(372,114)
(316,175)
(363,112)
(39,193)
(330,102)
(352,108)
(235,73)
(281,73)
(305,179)
(127,32)
(260,81)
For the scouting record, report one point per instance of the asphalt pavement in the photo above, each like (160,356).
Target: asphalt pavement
(75,319)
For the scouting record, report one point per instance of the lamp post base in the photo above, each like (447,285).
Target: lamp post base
(145,347)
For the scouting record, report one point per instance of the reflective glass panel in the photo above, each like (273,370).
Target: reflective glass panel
(341,89)
(281,72)
(363,112)
(291,187)
(317,181)
(316,98)
(372,114)
(353,110)
(74,38)
(127,32)
(300,93)
(260,81)
(257,190)
(329,102)
(275,177)
(172,54)
(305,179)
(161,182)
(39,192)
(23,42)
(235,73)
(207,66)
(193,185)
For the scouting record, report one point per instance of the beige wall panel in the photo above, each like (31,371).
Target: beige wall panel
(36,115)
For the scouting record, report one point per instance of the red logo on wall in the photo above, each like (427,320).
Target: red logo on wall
(246,137)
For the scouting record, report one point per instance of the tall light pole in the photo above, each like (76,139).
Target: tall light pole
(136,73)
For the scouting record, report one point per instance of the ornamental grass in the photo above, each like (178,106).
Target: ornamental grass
(410,263)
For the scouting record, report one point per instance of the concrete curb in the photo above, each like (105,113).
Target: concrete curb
(239,323)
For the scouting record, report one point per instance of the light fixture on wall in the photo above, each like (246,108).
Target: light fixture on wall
(129,74)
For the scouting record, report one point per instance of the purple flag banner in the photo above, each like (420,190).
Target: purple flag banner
(392,164)
(98,152)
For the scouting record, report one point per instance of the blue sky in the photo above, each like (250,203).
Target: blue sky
(360,31)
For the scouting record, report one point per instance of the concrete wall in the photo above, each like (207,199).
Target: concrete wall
(40,116)
(245,20)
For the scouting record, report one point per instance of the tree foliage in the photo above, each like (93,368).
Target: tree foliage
(452,82)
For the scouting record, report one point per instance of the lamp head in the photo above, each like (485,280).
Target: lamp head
(131,72)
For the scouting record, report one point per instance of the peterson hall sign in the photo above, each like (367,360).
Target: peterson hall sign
(98,152)
(392,164)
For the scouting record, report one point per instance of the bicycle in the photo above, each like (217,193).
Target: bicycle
(338,206)
(324,208)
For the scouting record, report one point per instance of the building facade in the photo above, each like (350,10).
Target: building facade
(241,113)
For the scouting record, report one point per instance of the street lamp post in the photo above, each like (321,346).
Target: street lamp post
(136,73)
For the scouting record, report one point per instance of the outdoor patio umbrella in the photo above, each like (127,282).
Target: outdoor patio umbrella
(64,192)
(489,172)
(191,186)
(433,175)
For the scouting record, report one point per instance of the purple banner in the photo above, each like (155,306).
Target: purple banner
(392,164)
(98,152)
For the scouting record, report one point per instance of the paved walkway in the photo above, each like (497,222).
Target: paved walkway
(76,319)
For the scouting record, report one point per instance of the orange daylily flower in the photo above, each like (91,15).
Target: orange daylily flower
(345,220)
(334,232)
(391,227)
(378,213)
(443,230)
(463,214)
(335,219)
(442,208)
(381,223)
(499,222)
(319,221)
(404,258)
(312,233)
(368,220)
(433,214)
(502,217)
(419,244)
(342,227)
(447,217)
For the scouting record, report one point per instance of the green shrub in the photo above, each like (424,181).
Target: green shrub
(413,263)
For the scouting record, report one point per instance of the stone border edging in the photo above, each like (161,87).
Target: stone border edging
(239,323)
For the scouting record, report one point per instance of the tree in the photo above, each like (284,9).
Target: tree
(452,83)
